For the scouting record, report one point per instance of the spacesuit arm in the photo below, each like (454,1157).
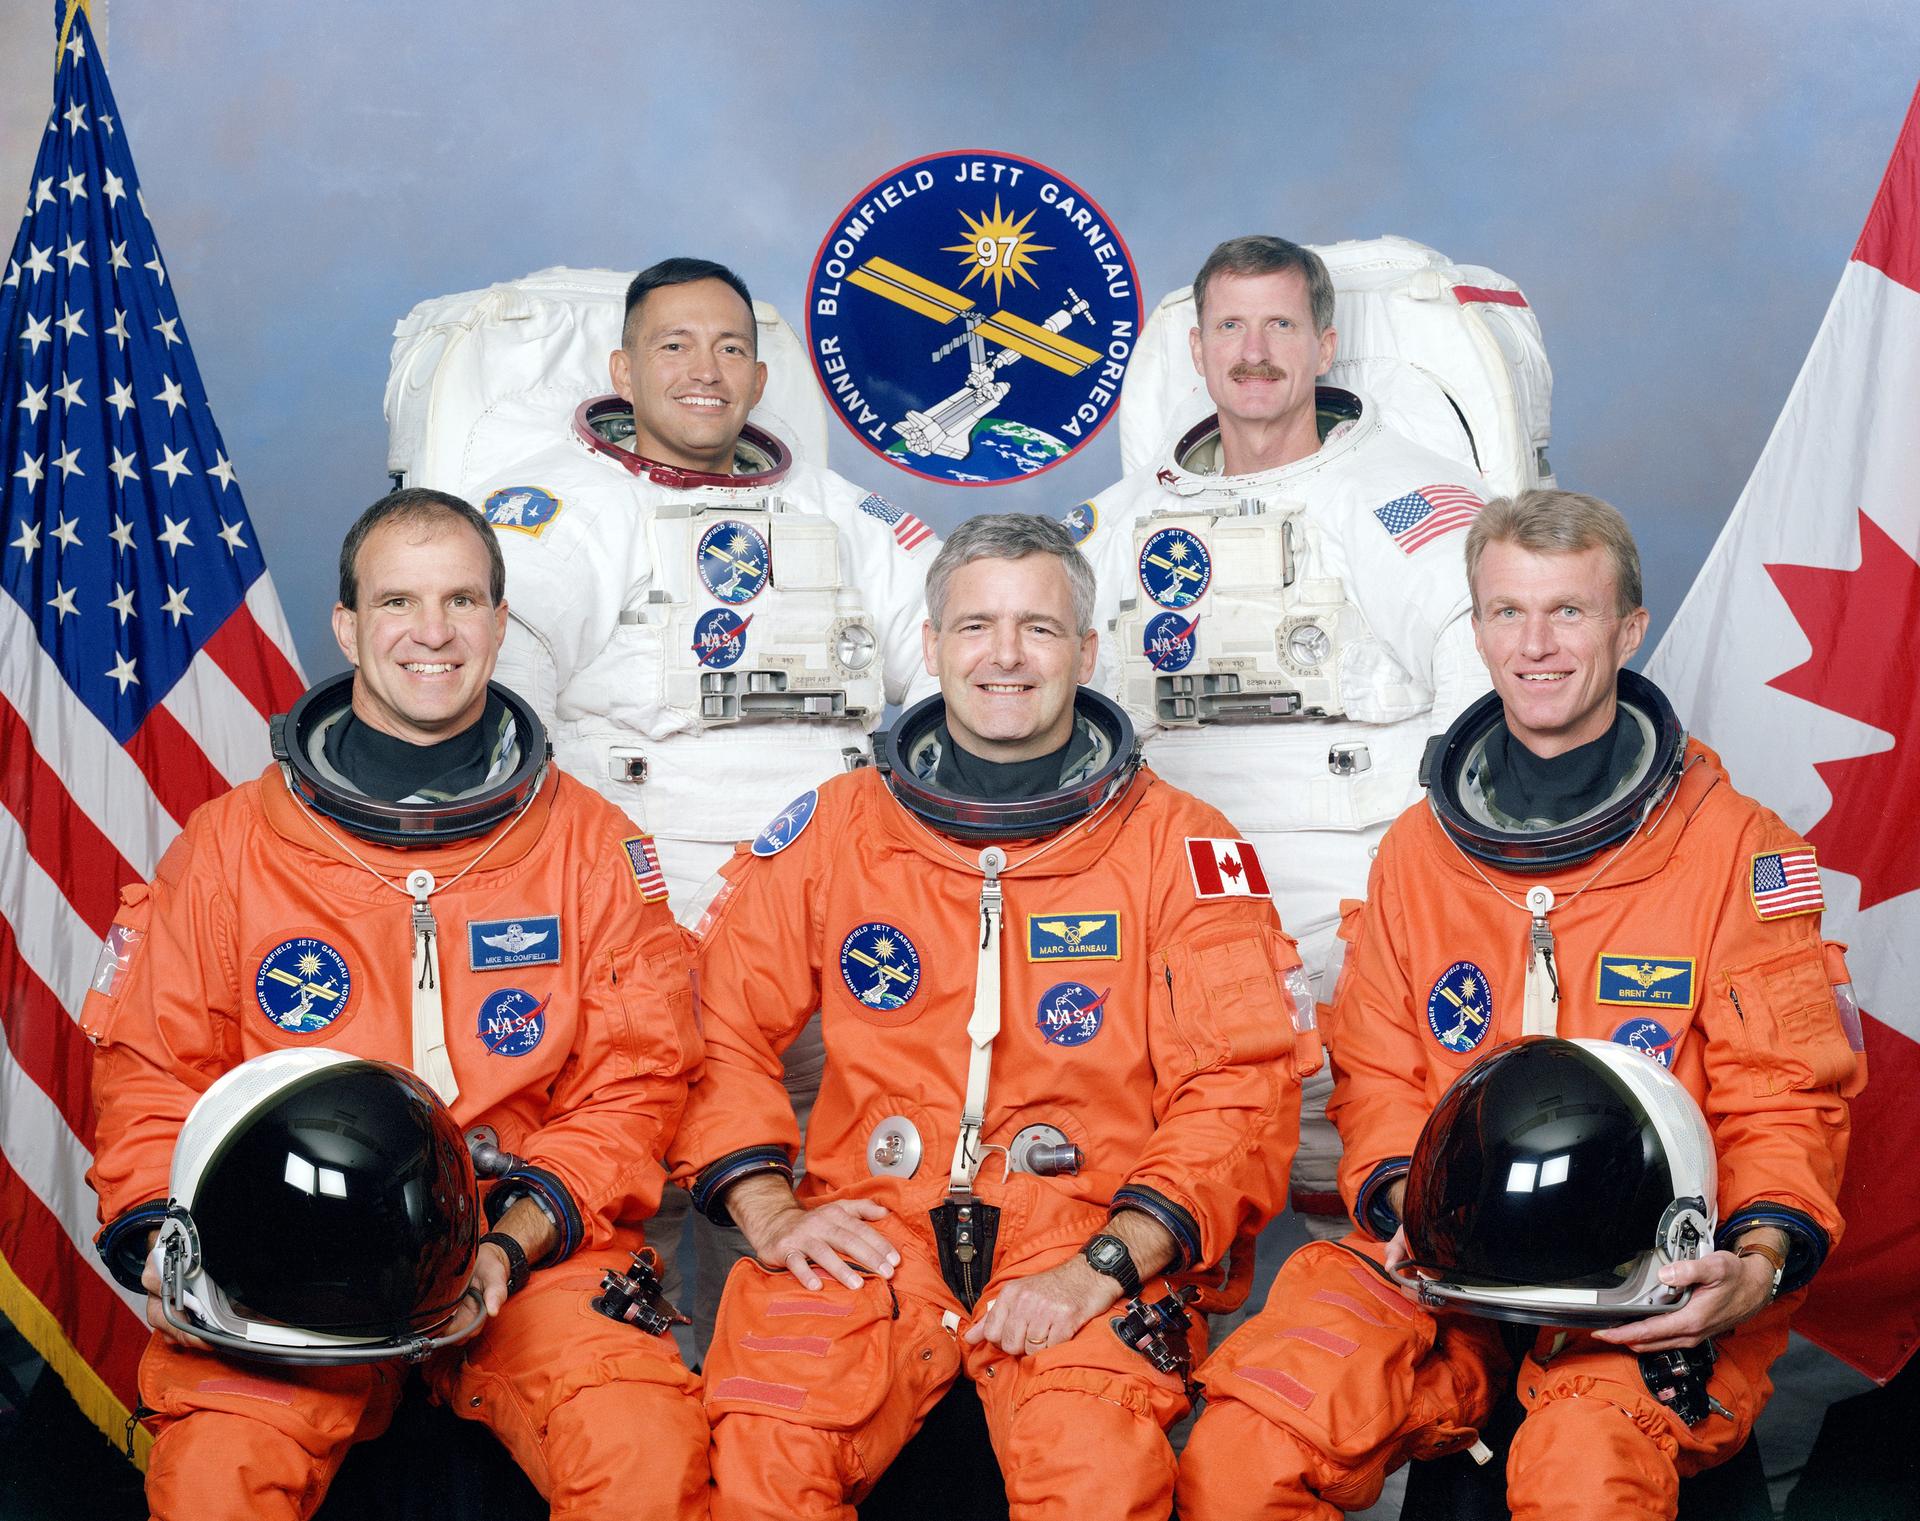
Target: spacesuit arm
(564,598)
(759,982)
(1780,1066)
(892,583)
(1226,1093)
(1379,1062)
(166,1031)
(597,1157)
(1418,606)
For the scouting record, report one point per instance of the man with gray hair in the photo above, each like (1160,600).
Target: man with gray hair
(1064,1035)
(1288,610)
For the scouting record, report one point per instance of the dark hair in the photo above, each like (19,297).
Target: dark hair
(683,272)
(416,504)
(1263,255)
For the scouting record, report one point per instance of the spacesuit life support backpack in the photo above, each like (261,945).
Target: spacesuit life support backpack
(1451,354)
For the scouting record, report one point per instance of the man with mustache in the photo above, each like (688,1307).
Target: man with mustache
(1289,612)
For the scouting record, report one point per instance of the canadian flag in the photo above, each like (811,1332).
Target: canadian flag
(1794,656)
(1226,869)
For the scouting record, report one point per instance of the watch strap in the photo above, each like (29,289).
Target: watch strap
(1776,1258)
(1120,1268)
(516,1256)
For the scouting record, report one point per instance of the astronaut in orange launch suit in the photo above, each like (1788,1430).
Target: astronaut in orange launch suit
(1583,869)
(560,1016)
(1064,1036)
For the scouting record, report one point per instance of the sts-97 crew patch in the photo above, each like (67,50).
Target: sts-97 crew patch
(734,561)
(879,965)
(1460,1007)
(1175,568)
(303,985)
(971,316)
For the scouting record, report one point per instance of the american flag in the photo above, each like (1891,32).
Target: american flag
(907,528)
(645,861)
(1786,882)
(141,651)
(1422,516)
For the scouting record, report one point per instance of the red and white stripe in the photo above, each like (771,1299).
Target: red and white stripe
(1800,895)
(81,815)
(911,532)
(1225,869)
(1453,507)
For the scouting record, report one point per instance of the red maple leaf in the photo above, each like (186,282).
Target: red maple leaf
(1864,665)
(1230,864)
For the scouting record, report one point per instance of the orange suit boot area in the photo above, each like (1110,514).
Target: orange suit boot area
(573,1039)
(1149,1026)
(1673,950)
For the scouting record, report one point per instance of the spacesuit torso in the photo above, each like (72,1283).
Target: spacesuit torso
(1318,631)
(703,646)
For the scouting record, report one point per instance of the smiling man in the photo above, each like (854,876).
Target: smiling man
(706,625)
(1581,868)
(413,882)
(1289,614)
(1064,1035)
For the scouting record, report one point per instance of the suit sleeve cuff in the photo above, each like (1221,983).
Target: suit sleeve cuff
(1178,1223)
(1807,1242)
(122,1244)
(547,1191)
(1370,1207)
(712,1181)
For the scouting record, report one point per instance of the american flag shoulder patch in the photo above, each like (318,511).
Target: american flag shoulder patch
(908,531)
(1418,518)
(1785,882)
(645,863)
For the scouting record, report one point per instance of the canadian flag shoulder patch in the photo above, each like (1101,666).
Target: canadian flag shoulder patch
(1226,869)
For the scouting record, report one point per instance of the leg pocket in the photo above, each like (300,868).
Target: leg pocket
(822,1359)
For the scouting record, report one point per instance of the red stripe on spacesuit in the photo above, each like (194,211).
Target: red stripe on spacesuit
(1388,1297)
(806,1307)
(1327,1341)
(1348,1303)
(1465,294)
(1285,1385)
(787,1396)
(807,1346)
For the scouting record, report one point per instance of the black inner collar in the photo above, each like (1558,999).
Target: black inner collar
(968,775)
(1557,788)
(391,769)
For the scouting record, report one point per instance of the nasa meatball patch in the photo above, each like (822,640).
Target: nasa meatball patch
(720,638)
(303,985)
(524,509)
(880,965)
(1460,1007)
(512,1021)
(1649,1037)
(1070,1013)
(970,316)
(1169,641)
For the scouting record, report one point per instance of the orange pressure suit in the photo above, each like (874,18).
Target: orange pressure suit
(568,1017)
(1340,1378)
(1152,1027)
